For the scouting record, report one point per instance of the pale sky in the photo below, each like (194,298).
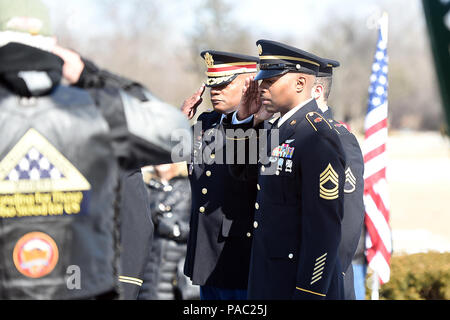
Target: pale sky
(267,18)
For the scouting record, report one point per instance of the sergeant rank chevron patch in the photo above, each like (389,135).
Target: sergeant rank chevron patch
(329,184)
(350,181)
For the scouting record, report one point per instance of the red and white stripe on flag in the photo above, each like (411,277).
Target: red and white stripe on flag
(376,202)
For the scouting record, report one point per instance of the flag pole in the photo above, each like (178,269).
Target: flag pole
(375,294)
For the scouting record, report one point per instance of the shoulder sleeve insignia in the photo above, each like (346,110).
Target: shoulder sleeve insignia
(350,181)
(329,184)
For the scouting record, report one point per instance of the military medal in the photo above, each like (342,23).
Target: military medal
(280,164)
(288,166)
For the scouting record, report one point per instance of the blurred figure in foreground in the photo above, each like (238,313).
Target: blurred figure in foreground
(61,156)
(170,200)
(136,227)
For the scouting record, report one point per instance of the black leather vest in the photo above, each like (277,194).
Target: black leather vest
(58,181)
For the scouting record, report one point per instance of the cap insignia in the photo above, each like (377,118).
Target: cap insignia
(209,60)
(260,49)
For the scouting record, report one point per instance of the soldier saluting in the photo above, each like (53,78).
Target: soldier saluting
(220,237)
(299,205)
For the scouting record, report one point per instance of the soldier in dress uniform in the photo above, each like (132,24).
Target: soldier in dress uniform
(299,205)
(218,251)
(323,84)
(353,221)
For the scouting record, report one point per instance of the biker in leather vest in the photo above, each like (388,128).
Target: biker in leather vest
(61,152)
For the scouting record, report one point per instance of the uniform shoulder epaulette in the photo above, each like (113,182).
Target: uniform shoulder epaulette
(318,121)
(338,127)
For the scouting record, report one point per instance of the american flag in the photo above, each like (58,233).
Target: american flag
(378,236)
(34,166)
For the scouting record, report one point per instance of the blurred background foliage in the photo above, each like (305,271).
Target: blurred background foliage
(421,276)
(158,43)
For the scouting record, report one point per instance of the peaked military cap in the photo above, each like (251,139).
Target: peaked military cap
(223,67)
(326,69)
(278,58)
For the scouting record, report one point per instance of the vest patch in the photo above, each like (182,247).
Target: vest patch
(37,180)
(35,254)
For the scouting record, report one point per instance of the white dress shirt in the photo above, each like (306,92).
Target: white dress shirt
(291,112)
(281,120)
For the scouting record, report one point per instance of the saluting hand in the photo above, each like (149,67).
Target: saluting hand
(261,116)
(250,102)
(189,107)
(73,65)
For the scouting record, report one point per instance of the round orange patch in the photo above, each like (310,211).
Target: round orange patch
(35,254)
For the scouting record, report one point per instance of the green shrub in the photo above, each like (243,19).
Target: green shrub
(422,276)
